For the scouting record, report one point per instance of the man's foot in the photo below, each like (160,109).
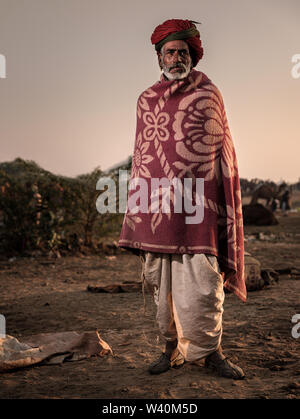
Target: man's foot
(225,368)
(171,358)
(161,365)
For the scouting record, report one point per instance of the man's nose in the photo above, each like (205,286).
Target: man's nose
(177,57)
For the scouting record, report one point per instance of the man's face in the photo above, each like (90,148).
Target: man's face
(175,60)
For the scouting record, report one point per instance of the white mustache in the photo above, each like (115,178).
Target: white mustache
(180,65)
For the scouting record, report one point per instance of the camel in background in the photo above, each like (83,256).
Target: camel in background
(268,191)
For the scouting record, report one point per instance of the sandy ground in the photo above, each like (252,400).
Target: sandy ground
(40,295)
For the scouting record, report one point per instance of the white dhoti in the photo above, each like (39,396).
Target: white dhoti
(188,291)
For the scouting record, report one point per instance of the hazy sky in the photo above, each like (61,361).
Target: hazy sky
(74,70)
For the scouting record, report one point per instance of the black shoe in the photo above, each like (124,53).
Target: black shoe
(161,365)
(224,367)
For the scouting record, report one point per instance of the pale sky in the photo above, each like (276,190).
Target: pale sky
(75,68)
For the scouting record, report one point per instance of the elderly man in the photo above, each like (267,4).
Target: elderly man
(183,138)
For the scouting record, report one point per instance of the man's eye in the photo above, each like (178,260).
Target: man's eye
(183,53)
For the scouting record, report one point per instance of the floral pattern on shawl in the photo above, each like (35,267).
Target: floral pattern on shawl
(182,132)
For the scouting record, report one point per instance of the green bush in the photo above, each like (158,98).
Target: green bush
(40,210)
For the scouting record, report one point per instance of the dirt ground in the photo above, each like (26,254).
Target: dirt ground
(41,295)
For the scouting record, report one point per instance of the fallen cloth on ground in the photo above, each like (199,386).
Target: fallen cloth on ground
(117,288)
(50,348)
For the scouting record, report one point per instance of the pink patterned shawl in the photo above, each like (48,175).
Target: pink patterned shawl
(182,131)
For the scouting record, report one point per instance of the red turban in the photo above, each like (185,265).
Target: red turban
(175,29)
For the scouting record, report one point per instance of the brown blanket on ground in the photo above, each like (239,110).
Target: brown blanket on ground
(117,288)
(50,348)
